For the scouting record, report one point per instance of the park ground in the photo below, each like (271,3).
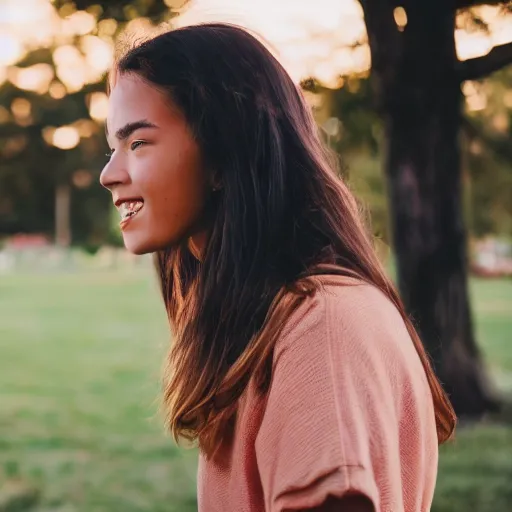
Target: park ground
(80,361)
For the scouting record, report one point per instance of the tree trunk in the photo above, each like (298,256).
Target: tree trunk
(62,215)
(422,108)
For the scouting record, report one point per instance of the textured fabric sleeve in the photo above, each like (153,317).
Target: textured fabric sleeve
(330,421)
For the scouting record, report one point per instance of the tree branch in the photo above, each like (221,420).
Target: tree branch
(480,67)
(385,42)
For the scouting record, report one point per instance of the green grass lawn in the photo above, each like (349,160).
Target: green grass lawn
(476,469)
(80,359)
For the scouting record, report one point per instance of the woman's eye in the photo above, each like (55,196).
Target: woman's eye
(110,153)
(135,144)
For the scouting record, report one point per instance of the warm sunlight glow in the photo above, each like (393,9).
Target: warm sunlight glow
(479,43)
(86,127)
(66,55)
(35,78)
(29,24)
(48,132)
(79,23)
(21,108)
(65,137)
(400,17)
(73,77)
(140,29)
(98,106)
(350,60)
(11,49)
(476,99)
(472,45)
(317,38)
(310,39)
(321,38)
(71,67)
(98,56)
(33,23)
(57,90)
(107,28)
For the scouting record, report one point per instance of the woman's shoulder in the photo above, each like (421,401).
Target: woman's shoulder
(354,326)
(342,308)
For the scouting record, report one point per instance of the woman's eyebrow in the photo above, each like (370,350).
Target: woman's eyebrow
(124,132)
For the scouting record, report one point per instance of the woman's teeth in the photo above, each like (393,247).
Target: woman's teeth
(130,208)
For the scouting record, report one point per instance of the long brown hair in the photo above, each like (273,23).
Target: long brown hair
(281,216)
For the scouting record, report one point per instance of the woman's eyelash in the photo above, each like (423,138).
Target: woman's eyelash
(135,144)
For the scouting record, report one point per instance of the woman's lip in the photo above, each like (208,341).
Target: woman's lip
(122,200)
(126,221)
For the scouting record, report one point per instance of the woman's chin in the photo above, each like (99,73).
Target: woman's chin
(138,246)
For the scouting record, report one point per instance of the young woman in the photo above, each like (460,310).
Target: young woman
(293,363)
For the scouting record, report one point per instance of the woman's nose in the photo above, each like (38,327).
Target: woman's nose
(114,173)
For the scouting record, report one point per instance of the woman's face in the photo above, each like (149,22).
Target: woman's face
(155,173)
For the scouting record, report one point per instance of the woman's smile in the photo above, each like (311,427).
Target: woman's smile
(128,209)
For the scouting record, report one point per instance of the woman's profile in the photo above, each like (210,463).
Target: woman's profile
(293,363)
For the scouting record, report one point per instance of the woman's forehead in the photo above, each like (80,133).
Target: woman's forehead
(132,99)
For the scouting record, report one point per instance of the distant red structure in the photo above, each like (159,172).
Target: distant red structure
(25,241)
